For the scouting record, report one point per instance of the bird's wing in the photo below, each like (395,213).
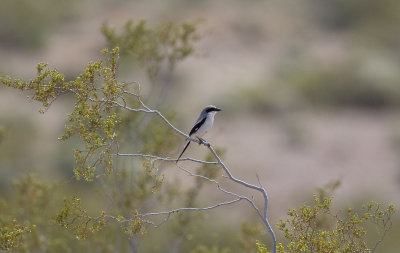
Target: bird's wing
(198,124)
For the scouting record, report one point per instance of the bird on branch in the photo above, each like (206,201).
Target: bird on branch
(202,125)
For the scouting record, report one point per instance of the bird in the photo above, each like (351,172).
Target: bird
(202,125)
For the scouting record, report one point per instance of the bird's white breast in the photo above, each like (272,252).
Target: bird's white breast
(207,125)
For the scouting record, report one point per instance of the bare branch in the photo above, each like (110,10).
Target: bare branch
(222,189)
(261,189)
(166,159)
(168,213)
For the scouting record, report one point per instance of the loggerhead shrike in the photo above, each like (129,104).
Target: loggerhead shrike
(202,125)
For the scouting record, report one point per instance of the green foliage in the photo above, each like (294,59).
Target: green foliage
(134,226)
(75,218)
(152,173)
(11,235)
(94,121)
(316,229)
(261,248)
(94,118)
(98,94)
(151,46)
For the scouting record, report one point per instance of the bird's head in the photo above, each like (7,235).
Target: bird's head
(211,108)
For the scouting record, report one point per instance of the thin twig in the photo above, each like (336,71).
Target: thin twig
(167,159)
(168,213)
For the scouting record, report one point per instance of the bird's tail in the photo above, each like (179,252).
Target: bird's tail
(187,145)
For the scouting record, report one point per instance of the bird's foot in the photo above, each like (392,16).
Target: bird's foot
(202,141)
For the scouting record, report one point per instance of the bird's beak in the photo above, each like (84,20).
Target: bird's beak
(217,109)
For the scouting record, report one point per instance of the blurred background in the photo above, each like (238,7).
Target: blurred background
(310,92)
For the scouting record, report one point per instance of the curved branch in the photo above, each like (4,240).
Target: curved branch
(258,188)
(261,189)
(223,190)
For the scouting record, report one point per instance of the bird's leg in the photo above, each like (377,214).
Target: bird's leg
(202,141)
